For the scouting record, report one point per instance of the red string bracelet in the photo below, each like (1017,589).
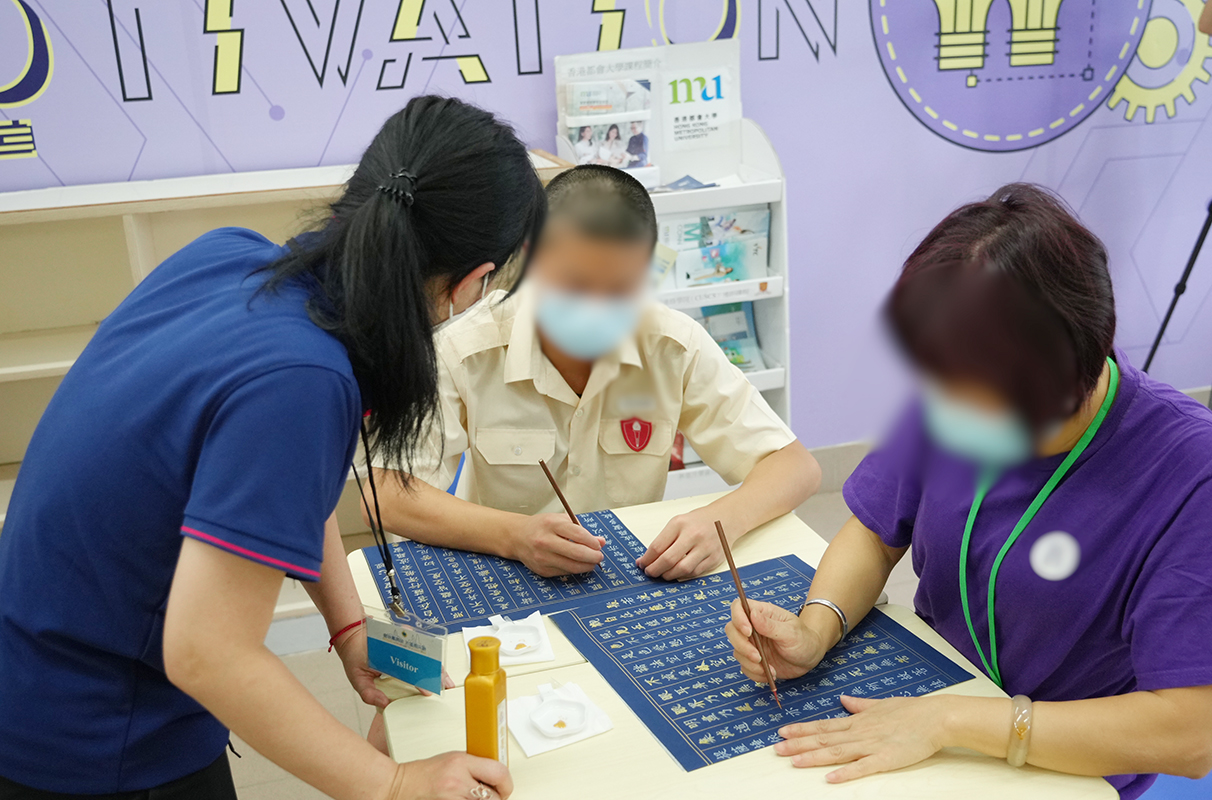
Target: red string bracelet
(333,641)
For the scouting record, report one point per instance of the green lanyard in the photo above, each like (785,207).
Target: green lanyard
(987,479)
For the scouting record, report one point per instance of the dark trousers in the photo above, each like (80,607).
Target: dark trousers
(209,783)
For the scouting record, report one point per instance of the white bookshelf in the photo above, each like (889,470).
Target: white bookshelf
(768,288)
(26,355)
(8,476)
(72,253)
(758,180)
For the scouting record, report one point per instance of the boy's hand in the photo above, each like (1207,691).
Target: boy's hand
(687,548)
(550,545)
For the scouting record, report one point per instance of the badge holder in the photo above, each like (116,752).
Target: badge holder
(402,646)
(408,649)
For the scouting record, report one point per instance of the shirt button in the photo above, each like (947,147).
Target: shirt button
(576,470)
(580,412)
(517,451)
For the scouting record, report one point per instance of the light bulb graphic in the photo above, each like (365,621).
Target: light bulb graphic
(1033,32)
(962,33)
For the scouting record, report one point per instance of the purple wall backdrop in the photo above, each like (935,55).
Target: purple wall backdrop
(880,133)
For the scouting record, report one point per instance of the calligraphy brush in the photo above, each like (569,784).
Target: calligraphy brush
(559,494)
(758,641)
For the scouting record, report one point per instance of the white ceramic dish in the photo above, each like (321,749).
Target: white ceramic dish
(518,639)
(555,717)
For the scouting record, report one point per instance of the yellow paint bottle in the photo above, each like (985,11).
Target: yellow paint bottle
(484,696)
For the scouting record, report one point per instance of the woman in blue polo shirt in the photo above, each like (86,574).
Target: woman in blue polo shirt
(1058,503)
(192,456)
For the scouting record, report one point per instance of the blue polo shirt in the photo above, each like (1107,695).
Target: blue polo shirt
(198,409)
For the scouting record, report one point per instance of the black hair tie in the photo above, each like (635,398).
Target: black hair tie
(401,194)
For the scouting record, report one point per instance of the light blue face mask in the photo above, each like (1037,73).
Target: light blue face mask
(583,326)
(990,438)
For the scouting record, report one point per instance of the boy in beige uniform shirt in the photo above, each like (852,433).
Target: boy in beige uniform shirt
(577,368)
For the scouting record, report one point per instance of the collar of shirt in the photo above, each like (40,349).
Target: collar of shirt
(524,359)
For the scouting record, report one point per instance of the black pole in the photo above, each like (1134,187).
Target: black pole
(1180,287)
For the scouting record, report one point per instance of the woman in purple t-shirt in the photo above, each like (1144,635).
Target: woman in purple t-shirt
(1058,503)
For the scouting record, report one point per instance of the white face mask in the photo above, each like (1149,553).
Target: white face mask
(453,316)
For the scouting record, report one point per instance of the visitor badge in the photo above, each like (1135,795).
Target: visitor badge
(408,649)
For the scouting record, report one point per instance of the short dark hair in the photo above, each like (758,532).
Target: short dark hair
(604,202)
(1014,292)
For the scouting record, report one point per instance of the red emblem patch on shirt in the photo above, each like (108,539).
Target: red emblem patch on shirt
(636,432)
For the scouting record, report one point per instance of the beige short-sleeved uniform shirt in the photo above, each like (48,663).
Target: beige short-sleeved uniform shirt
(504,403)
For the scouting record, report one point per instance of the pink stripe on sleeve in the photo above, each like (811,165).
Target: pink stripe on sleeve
(243,551)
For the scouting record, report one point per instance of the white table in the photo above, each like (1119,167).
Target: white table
(629,761)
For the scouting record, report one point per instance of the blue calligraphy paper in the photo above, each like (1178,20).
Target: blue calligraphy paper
(662,647)
(456,588)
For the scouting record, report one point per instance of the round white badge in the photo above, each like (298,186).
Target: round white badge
(1055,556)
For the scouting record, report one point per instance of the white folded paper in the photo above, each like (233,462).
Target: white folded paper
(522,642)
(538,722)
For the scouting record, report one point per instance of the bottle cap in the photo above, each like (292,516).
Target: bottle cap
(485,655)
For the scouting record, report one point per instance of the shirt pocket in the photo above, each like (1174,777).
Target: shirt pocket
(635,476)
(513,446)
(512,457)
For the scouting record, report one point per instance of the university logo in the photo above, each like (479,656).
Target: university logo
(690,90)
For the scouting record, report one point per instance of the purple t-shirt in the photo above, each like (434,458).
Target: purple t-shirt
(1137,503)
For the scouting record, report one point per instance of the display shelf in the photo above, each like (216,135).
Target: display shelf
(171,194)
(748,188)
(758,180)
(305,184)
(769,379)
(41,354)
(616,118)
(729,292)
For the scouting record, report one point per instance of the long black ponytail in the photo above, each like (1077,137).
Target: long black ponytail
(443,188)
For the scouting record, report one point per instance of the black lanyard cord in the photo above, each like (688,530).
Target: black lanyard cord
(376,526)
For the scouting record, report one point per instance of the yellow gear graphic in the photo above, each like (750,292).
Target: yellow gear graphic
(1151,99)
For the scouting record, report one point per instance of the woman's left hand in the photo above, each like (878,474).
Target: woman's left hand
(881,735)
(352,650)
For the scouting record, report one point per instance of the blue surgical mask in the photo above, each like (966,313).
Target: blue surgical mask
(583,326)
(990,438)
